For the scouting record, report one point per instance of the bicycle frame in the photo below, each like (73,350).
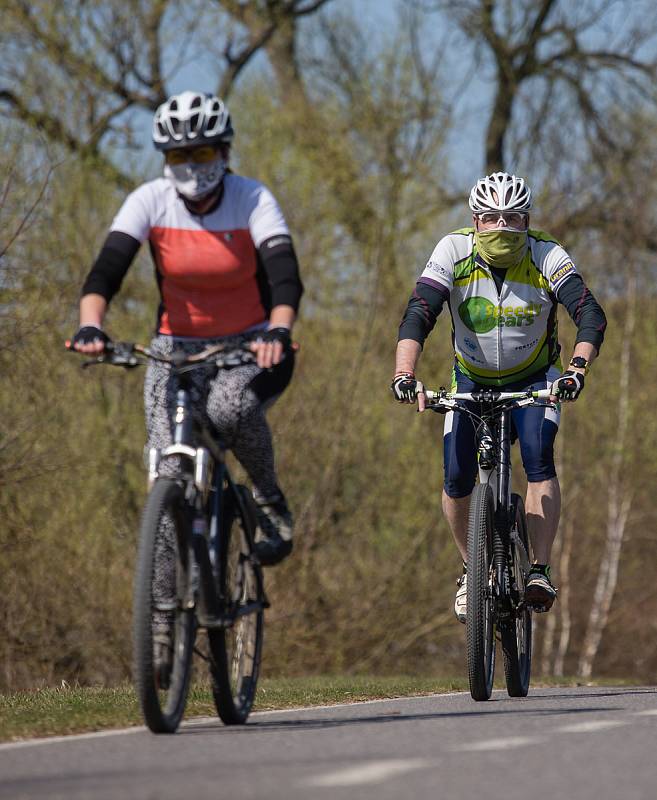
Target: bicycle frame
(208,482)
(210,476)
(494,434)
(217,580)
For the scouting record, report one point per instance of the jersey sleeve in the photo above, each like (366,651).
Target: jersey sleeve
(555,264)
(431,291)
(135,217)
(266,219)
(439,271)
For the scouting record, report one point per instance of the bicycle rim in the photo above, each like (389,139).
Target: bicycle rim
(517,634)
(164,626)
(236,650)
(480,622)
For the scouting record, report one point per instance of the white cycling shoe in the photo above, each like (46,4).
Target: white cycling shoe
(461,599)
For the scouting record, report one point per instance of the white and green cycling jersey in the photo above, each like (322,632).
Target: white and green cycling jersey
(501,336)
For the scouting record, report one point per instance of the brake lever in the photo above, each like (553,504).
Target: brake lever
(439,409)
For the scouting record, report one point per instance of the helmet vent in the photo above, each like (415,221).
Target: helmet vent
(191,118)
(500,192)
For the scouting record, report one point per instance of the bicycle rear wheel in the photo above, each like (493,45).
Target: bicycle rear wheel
(480,623)
(517,633)
(236,650)
(164,625)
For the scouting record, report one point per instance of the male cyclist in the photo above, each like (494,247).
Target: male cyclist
(502,282)
(227,272)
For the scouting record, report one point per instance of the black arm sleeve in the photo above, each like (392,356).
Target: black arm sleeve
(422,311)
(110,267)
(584,310)
(281,267)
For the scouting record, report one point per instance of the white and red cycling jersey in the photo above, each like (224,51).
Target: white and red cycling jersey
(210,277)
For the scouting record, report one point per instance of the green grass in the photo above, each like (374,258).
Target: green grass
(50,712)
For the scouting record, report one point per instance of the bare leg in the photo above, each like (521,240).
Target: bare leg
(543,507)
(456,510)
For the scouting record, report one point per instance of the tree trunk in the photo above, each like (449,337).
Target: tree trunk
(564,596)
(499,124)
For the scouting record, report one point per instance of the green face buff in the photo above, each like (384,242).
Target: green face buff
(501,248)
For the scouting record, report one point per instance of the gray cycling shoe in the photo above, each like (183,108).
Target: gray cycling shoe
(275,528)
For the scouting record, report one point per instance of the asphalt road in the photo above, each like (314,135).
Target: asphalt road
(574,744)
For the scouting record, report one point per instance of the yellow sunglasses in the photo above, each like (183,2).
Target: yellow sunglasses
(197,155)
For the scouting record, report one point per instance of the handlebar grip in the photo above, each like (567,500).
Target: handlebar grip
(431,395)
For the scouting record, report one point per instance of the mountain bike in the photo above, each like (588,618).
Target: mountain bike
(499,553)
(196,567)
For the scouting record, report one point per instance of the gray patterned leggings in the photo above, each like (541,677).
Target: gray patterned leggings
(235,402)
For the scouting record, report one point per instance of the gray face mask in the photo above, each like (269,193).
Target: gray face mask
(193,181)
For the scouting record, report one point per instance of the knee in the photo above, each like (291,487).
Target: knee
(537,451)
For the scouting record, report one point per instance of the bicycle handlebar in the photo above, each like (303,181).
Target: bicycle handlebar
(450,401)
(488,395)
(131,354)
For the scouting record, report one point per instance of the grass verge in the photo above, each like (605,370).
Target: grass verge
(50,712)
(65,710)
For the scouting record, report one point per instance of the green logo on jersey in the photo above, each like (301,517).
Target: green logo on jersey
(481,316)
(478,314)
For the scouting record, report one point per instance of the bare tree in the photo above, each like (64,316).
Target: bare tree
(270,25)
(107,60)
(548,56)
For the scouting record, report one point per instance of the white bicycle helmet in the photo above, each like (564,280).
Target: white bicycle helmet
(500,192)
(190,119)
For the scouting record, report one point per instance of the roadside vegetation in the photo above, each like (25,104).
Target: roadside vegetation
(66,710)
(354,130)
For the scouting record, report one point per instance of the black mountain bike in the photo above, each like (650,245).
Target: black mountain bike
(195,565)
(499,554)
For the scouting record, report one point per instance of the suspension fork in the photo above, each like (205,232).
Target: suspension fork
(206,507)
(216,515)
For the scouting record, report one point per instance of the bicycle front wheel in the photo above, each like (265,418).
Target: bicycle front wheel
(480,623)
(236,649)
(164,625)
(517,633)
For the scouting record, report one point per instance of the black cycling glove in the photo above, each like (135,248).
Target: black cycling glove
(405,388)
(88,334)
(569,385)
(281,335)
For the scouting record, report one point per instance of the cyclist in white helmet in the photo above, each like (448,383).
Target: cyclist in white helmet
(227,272)
(502,282)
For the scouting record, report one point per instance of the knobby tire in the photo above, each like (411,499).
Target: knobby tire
(480,627)
(162,707)
(236,650)
(516,634)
